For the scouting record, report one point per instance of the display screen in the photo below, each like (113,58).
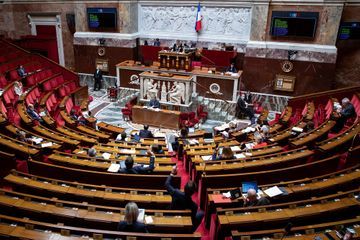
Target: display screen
(294,24)
(102,18)
(349,30)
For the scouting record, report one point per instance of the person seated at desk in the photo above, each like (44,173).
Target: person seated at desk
(182,200)
(138,169)
(244,107)
(252,199)
(91,152)
(77,118)
(121,136)
(225,154)
(32,113)
(342,114)
(157,42)
(130,223)
(232,68)
(157,149)
(146,133)
(177,47)
(154,102)
(21,71)
(18,88)
(22,137)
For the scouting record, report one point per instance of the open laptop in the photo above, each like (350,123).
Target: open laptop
(245,186)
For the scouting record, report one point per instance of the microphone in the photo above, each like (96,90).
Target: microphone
(287,229)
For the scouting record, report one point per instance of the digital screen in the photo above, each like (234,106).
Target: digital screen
(294,24)
(102,18)
(349,30)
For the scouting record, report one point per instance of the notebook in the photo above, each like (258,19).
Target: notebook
(245,186)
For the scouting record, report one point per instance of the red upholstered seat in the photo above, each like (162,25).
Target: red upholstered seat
(193,119)
(184,118)
(3,81)
(201,114)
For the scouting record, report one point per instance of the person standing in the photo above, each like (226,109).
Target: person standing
(97,79)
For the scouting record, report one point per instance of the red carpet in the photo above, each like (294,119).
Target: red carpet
(185,177)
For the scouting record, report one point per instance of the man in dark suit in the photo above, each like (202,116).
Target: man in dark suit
(97,79)
(252,199)
(138,169)
(154,103)
(21,71)
(232,68)
(347,111)
(182,200)
(177,47)
(146,133)
(32,113)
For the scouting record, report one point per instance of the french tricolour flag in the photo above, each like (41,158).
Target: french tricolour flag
(198,24)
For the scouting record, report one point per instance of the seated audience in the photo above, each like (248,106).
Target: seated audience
(226,154)
(252,199)
(32,113)
(21,71)
(22,136)
(18,88)
(344,113)
(91,152)
(146,133)
(130,223)
(157,149)
(154,102)
(157,42)
(244,107)
(121,136)
(77,118)
(182,200)
(231,68)
(308,127)
(138,169)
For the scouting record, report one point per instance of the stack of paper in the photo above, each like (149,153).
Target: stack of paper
(114,167)
(206,158)
(240,155)
(48,144)
(36,140)
(141,216)
(273,191)
(127,151)
(106,156)
(235,148)
(149,220)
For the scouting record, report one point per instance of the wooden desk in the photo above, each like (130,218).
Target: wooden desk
(162,118)
(177,60)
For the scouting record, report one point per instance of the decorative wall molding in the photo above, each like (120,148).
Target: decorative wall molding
(279,50)
(112,39)
(220,23)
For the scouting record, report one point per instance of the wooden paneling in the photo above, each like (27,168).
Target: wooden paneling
(85,57)
(259,75)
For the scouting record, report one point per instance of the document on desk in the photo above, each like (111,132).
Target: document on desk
(141,216)
(149,220)
(36,140)
(219,198)
(206,158)
(235,148)
(47,144)
(273,191)
(240,156)
(114,167)
(106,156)
(127,151)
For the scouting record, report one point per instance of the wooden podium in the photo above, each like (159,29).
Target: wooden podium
(156,117)
(176,60)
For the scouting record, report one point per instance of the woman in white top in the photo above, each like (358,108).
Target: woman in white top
(18,88)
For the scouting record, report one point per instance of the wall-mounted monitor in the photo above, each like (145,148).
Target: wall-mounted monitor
(294,24)
(102,18)
(349,30)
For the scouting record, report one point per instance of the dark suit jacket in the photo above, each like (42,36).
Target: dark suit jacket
(98,75)
(145,134)
(34,115)
(140,169)
(154,103)
(123,226)
(179,200)
(231,69)
(348,111)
